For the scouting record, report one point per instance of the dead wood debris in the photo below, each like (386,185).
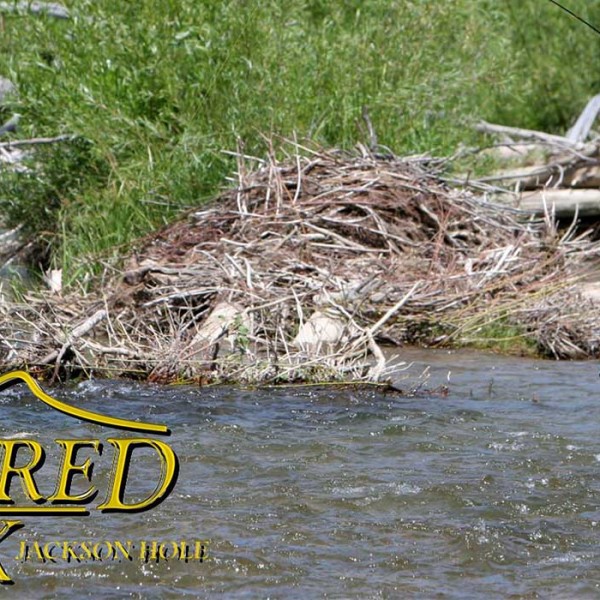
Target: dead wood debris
(546,172)
(303,268)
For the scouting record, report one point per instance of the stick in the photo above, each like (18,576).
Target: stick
(390,313)
(77,332)
(486,127)
(565,201)
(586,119)
(37,141)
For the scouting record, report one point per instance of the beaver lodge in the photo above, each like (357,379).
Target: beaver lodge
(305,268)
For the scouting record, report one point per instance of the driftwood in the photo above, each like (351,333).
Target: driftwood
(525,134)
(580,131)
(565,176)
(550,175)
(562,202)
(37,141)
(77,332)
(15,152)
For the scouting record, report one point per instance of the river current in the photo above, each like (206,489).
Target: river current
(491,490)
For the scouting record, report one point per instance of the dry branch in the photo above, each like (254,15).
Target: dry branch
(583,125)
(37,141)
(526,134)
(563,202)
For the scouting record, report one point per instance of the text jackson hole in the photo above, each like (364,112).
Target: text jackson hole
(119,551)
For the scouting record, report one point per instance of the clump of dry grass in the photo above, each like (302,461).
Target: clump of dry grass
(378,246)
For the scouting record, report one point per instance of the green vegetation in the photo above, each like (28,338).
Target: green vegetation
(155,89)
(501,336)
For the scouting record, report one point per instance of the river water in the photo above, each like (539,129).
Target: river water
(492,490)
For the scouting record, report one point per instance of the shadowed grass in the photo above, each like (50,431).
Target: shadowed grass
(157,88)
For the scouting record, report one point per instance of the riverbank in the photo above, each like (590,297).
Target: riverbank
(304,268)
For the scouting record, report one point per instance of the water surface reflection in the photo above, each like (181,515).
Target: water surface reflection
(492,490)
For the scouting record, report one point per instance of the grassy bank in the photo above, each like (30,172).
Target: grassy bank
(156,89)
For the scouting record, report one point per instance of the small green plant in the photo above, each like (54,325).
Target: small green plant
(501,336)
(241,332)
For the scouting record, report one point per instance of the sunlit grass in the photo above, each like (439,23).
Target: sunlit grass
(160,87)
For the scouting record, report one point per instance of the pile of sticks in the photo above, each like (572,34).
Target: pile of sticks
(304,268)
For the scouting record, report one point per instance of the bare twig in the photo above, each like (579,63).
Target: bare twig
(37,141)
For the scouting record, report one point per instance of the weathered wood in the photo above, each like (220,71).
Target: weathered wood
(586,119)
(37,141)
(590,290)
(564,202)
(552,175)
(526,134)
(523,152)
(584,177)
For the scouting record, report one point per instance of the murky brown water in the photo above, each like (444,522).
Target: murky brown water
(492,491)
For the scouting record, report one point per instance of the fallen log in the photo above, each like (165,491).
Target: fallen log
(525,134)
(551,175)
(564,202)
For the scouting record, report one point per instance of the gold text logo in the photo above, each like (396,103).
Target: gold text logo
(22,459)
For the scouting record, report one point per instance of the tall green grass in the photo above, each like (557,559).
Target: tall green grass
(157,88)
